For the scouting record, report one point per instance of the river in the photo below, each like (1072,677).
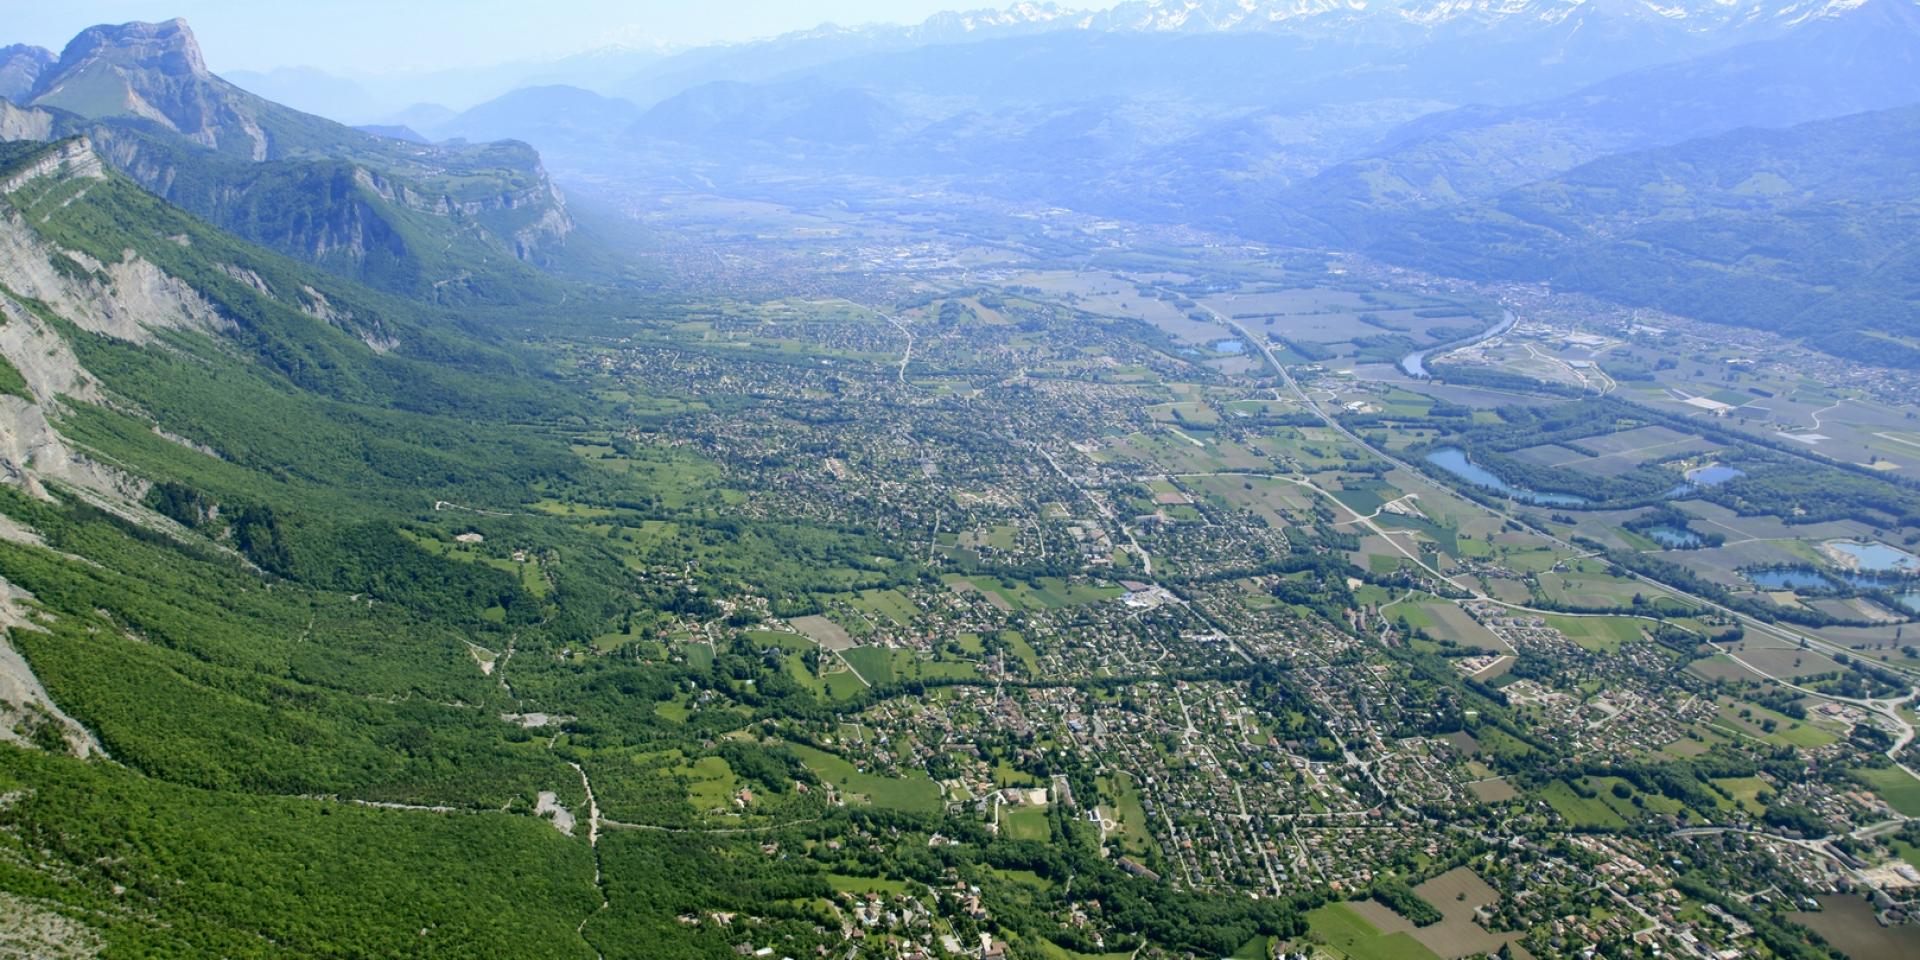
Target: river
(1415,363)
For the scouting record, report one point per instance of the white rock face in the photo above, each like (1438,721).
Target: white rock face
(17,123)
(42,357)
(136,295)
(74,159)
(127,299)
(22,699)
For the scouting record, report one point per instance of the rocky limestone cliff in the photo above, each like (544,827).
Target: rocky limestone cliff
(71,159)
(126,299)
(336,196)
(20,123)
(154,71)
(168,47)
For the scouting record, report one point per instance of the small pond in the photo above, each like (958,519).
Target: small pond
(1790,578)
(1713,474)
(1673,538)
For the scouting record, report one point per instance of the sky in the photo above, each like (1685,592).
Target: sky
(382,36)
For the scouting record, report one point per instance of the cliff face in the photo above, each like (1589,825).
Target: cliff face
(414,218)
(126,300)
(153,71)
(71,159)
(24,124)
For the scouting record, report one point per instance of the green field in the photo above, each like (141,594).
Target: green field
(843,883)
(1786,730)
(1600,634)
(1746,791)
(1343,930)
(1126,811)
(890,604)
(915,793)
(1895,786)
(1043,593)
(1025,823)
(1578,810)
(883,665)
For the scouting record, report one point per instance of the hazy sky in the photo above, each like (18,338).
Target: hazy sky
(384,35)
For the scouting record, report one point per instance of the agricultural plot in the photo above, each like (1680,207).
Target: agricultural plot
(916,793)
(1190,413)
(1446,621)
(1721,667)
(884,665)
(1113,296)
(1493,790)
(1184,452)
(1277,502)
(1760,723)
(1321,315)
(1043,593)
(1345,930)
(1458,894)
(1578,810)
(1604,634)
(889,604)
(1643,445)
(824,632)
(1775,659)
(1898,788)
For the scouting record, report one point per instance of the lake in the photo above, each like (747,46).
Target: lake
(1790,578)
(1876,556)
(1454,460)
(1710,475)
(1228,346)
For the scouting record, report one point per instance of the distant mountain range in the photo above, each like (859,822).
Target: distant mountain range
(1545,32)
(1406,130)
(423,220)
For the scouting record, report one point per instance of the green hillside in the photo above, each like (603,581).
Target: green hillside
(1807,231)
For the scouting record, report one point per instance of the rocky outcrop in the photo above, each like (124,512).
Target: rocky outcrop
(167,48)
(71,159)
(27,713)
(154,71)
(20,123)
(125,299)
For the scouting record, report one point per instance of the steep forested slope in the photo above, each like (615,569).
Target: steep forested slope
(209,446)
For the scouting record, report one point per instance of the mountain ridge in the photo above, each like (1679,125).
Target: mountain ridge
(421,218)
